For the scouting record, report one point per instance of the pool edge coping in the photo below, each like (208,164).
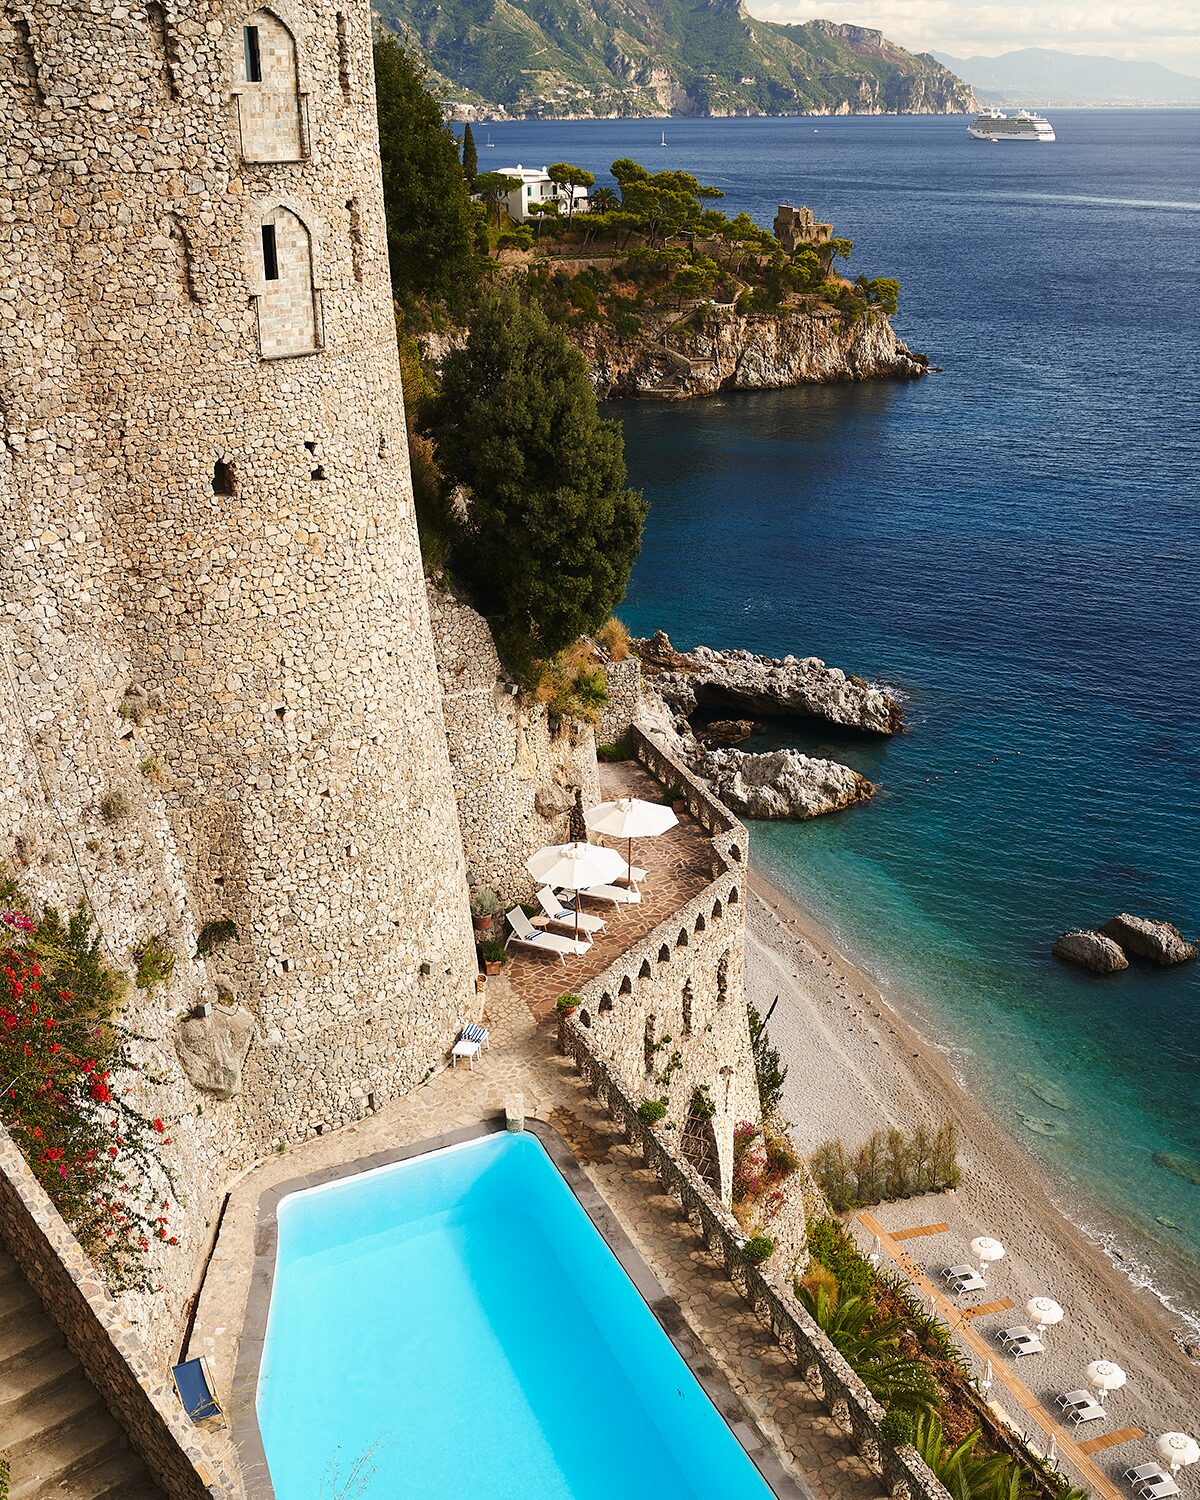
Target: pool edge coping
(670,1317)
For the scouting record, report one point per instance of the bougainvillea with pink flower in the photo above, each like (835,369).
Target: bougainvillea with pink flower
(66,1074)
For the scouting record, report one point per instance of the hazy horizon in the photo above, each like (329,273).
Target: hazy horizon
(1166,32)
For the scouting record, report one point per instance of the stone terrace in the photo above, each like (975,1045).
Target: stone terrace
(679,864)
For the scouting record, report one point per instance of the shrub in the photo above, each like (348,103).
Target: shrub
(62,1054)
(888,1165)
(757,1248)
(113,806)
(832,1247)
(155,963)
(613,636)
(152,770)
(701,1104)
(781,1156)
(898,1427)
(615,752)
(214,935)
(769,1072)
(493,951)
(565,1004)
(651,1111)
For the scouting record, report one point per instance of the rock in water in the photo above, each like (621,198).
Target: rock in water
(722,732)
(782,783)
(749,686)
(1147,938)
(1091,949)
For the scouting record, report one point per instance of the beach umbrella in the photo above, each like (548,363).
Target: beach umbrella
(985,1383)
(630,818)
(1105,1376)
(1043,1311)
(573,867)
(876,1251)
(1052,1453)
(1178,1450)
(985,1251)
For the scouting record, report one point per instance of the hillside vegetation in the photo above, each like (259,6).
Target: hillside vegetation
(648,57)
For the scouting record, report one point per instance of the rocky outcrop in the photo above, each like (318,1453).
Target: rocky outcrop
(1091,949)
(721,733)
(1146,938)
(749,686)
(723,349)
(781,783)
(212,1049)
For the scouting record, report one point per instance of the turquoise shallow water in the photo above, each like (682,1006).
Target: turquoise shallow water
(1012,542)
(440,1327)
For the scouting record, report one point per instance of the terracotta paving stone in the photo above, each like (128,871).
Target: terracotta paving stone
(679,864)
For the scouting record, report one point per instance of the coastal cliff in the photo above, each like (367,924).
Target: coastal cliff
(724,349)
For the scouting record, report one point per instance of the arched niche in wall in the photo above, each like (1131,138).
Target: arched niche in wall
(283,282)
(272,108)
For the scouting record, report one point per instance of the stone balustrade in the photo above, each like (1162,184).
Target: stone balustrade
(844,1395)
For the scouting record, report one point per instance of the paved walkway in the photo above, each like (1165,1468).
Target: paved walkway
(524,1059)
(678,865)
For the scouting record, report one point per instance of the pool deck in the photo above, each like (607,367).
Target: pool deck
(524,1060)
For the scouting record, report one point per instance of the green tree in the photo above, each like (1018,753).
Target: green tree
(604,200)
(542,211)
(565,176)
(494,188)
(841,247)
(470,157)
(430,216)
(552,530)
(768,1070)
(870,1346)
(884,292)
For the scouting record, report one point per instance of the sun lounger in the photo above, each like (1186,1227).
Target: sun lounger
(964,1279)
(634,874)
(195,1387)
(617,895)
(525,935)
(480,1034)
(1088,1413)
(1143,1472)
(1069,1399)
(1020,1341)
(464,1048)
(565,916)
(1157,1489)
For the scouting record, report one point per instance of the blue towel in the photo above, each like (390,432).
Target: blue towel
(475,1033)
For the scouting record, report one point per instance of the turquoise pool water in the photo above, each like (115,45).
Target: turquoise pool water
(456,1327)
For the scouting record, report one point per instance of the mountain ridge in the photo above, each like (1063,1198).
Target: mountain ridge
(630,58)
(1045,77)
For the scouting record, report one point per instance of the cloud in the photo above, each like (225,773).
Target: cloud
(1160,32)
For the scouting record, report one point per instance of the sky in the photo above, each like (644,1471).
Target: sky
(1162,31)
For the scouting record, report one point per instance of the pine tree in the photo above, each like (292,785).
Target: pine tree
(552,531)
(470,157)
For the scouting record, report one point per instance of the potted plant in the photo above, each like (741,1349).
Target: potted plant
(677,797)
(484,907)
(493,955)
(567,1004)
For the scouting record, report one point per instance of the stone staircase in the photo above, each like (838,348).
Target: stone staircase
(59,1437)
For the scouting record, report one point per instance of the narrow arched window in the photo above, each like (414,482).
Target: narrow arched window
(271,109)
(288,309)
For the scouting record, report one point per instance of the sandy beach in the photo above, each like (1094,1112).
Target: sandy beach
(855,1065)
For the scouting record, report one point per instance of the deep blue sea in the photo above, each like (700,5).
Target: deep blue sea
(1014,543)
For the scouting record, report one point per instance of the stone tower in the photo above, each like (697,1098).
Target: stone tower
(207,521)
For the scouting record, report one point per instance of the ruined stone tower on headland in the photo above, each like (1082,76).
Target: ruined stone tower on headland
(208,554)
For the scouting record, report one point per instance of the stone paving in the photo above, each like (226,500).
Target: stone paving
(679,864)
(524,1059)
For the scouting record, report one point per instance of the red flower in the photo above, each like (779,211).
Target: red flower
(101,1092)
(159,1126)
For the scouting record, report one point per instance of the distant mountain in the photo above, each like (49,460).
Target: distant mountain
(546,58)
(1037,76)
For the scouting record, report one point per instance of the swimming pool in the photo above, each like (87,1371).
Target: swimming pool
(456,1326)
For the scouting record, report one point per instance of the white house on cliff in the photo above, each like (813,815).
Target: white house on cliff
(536,187)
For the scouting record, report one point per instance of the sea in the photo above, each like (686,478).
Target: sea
(1013,544)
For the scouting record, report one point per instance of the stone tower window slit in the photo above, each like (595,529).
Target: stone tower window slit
(688,1000)
(317,471)
(356,239)
(163,38)
(25,62)
(272,110)
(270,252)
(223,478)
(343,51)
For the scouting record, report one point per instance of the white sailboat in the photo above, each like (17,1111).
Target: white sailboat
(663,142)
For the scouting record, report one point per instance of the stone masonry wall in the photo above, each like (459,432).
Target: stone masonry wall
(514,776)
(210,579)
(624,699)
(669,1015)
(115,1360)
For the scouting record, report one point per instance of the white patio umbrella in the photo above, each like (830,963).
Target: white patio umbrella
(986,1381)
(1178,1450)
(1105,1376)
(1052,1452)
(985,1251)
(1043,1311)
(630,818)
(573,867)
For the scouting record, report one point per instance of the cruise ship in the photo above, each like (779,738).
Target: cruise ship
(994,125)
